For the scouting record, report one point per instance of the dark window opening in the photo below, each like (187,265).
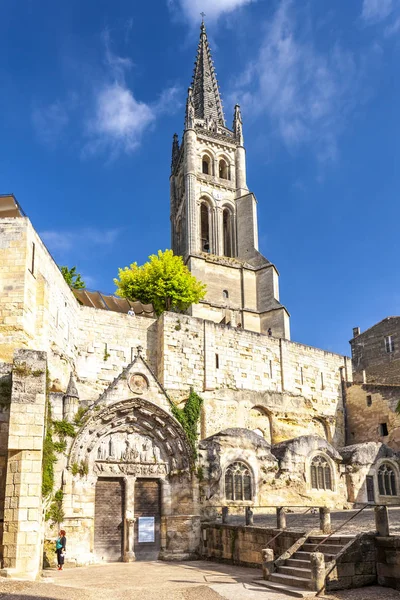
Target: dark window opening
(321,476)
(32,269)
(227,231)
(238,482)
(389,344)
(225,294)
(217,361)
(383,429)
(223,170)
(206,165)
(205,227)
(369,400)
(387,481)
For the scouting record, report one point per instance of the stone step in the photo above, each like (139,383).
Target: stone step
(296,571)
(300,582)
(334,539)
(295,562)
(300,555)
(289,590)
(325,548)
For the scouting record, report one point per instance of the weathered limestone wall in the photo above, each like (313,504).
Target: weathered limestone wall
(369,353)
(368,407)
(5,399)
(388,561)
(107,343)
(37,308)
(23,510)
(355,565)
(243,545)
(239,370)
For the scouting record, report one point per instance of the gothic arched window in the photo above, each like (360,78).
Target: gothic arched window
(387,480)
(238,482)
(205,227)
(206,165)
(321,475)
(223,169)
(227,223)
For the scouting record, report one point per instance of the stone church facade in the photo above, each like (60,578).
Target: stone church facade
(272,430)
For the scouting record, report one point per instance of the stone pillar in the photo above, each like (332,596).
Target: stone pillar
(280,517)
(325,519)
(249,516)
(190,139)
(23,523)
(268,565)
(225,511)
(241,185)
(317,561)
(382,521)
(129,549)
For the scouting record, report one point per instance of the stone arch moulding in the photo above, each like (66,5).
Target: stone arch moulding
(325,427)
(132,437)
(330,462)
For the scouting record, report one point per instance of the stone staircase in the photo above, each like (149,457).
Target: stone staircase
(293,575)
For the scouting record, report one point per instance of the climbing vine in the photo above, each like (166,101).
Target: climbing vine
(49,452)
(55,513)
(189,417)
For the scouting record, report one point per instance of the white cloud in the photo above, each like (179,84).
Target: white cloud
(62,242)
(213,9)
(50,121)
(374,11)
(119,120)
(304,94)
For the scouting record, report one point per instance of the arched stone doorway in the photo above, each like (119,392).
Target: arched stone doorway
(136,459)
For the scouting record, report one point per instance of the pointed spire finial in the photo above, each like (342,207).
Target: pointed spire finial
(203,14)
(206,98)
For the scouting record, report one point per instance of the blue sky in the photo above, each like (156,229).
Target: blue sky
(92,92)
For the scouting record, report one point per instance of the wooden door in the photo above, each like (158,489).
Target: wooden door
(148,519)
(109,519)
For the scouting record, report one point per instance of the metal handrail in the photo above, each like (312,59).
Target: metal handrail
(275,536)
(340,526)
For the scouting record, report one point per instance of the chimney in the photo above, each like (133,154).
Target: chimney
(356,331)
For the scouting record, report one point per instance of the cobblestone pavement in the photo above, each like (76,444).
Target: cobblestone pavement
(365,521)
(197,580)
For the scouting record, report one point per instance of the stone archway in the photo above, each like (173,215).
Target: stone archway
(126,450)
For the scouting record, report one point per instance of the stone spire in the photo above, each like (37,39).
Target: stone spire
(175,151)
(206,98)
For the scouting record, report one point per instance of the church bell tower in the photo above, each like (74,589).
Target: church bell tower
(214,215)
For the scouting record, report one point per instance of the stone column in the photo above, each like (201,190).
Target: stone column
(280,518)
(317,561)
(129,547)
(382,521)
(23,522)
(268,565)
(325,519)
(249,516)
(190,140)
(225,511)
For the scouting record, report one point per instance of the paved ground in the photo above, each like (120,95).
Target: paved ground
(198,580)
(365,521)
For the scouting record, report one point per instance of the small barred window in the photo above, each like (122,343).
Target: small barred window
(238,482)
(387,481)
(321,476)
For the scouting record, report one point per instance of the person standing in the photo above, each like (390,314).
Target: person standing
(61,544)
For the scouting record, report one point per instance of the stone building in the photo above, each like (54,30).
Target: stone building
(374,396)
(272,429)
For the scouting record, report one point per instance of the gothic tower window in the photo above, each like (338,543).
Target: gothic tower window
(387,481)
(227,223)
(205,227)
(223,169)
(238,482)
(321,475)
(206,165)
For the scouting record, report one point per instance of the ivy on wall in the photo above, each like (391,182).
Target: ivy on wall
(189,417)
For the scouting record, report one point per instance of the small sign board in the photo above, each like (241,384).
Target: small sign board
(146,532)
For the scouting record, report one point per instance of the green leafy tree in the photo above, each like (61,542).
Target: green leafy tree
(73,278)
(164,281)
